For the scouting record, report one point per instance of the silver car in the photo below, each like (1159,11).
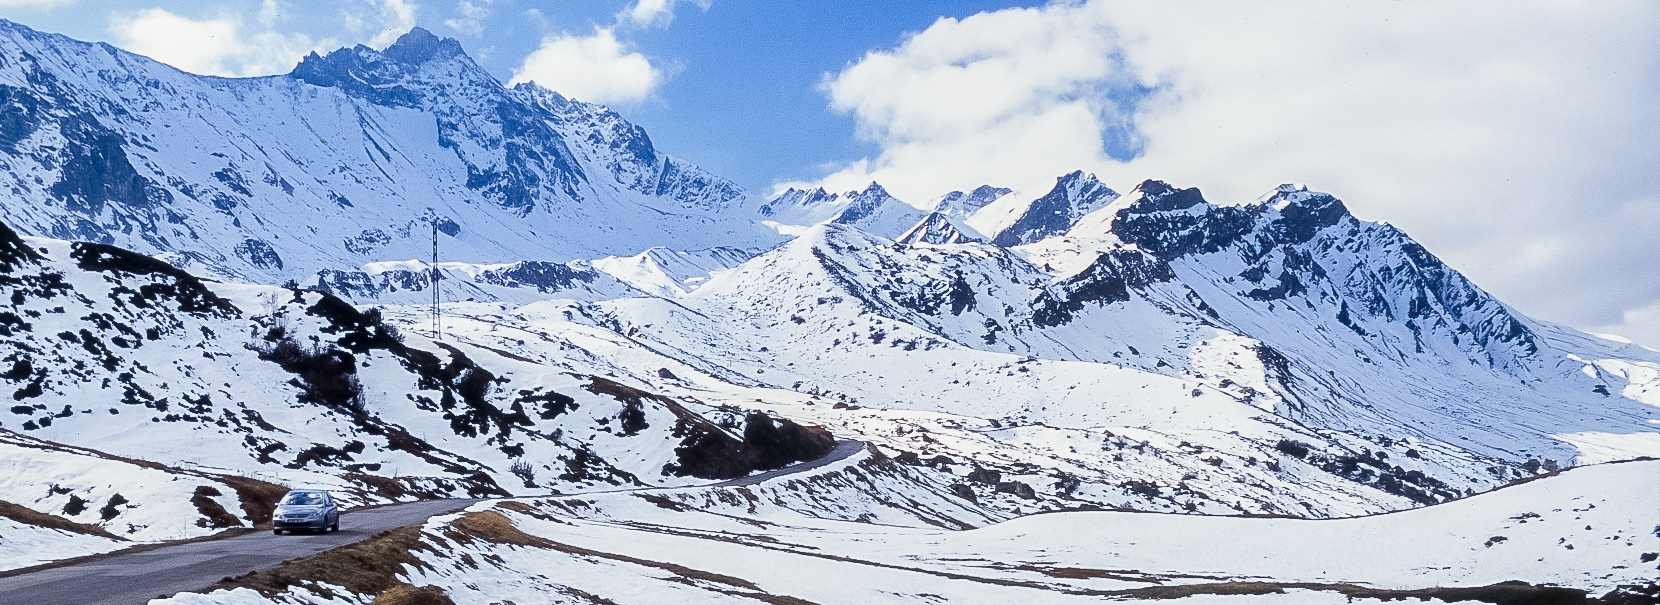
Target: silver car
(306,509)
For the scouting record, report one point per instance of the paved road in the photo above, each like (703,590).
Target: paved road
(135,578)
(138,577)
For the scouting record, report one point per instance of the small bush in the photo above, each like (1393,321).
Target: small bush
(109,511)
(1292,448)
(523,470)
(327,375)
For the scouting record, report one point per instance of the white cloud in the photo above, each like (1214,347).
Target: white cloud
(269,12)
(33,3)
(1517,144)
(595,68)
(470,16)
(390,19)
(1641,325)
(1001,97)
(654,13)
(218,46)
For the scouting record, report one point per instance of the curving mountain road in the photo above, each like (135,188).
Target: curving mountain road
(135,578)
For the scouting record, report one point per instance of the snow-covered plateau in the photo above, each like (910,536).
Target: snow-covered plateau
(1065,395)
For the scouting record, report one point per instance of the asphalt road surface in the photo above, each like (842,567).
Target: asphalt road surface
(135,578)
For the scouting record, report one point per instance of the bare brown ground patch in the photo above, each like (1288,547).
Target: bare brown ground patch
(259,498)
(369,567)
(29,516)
(404,594)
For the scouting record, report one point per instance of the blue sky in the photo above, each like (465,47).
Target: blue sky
(741,95)
(1517,140)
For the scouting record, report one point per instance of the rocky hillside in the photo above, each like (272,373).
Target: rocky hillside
(157,405)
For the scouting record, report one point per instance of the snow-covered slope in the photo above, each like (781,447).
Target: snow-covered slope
(669,273)
(160,406)
(940,228)
(1587,531)
(353,158)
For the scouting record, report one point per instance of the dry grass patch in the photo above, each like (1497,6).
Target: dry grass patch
(29,516)
(259,498)
(404,594)
(369,567)
(491,526)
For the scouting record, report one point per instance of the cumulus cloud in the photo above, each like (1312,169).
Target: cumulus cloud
(1001,97)
(654,13)
(33,3)
(1517,144)
(388,20)
(219,46)
(470,16)
(595,68)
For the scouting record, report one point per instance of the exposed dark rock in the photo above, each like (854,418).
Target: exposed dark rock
(1111,278)
(985,475)
(1017,488)
(259,253)
(170,283)
(709,453)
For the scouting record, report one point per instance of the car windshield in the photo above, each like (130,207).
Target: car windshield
(303,499)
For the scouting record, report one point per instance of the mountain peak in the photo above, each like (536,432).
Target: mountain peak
(1302,213)
(1075,195)
(421,46)
(961,205)
(1159,196)
(874,208)
(938,228)
(872,191)
(385,76)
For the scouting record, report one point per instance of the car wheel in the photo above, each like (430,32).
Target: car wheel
(336,526)
(276,532)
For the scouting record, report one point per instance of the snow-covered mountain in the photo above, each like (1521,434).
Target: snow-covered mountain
(1212,338)
(872,210)
(1011,221)
(355,157)
(957,204)
(615,318)
(940,228)
(668,273)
